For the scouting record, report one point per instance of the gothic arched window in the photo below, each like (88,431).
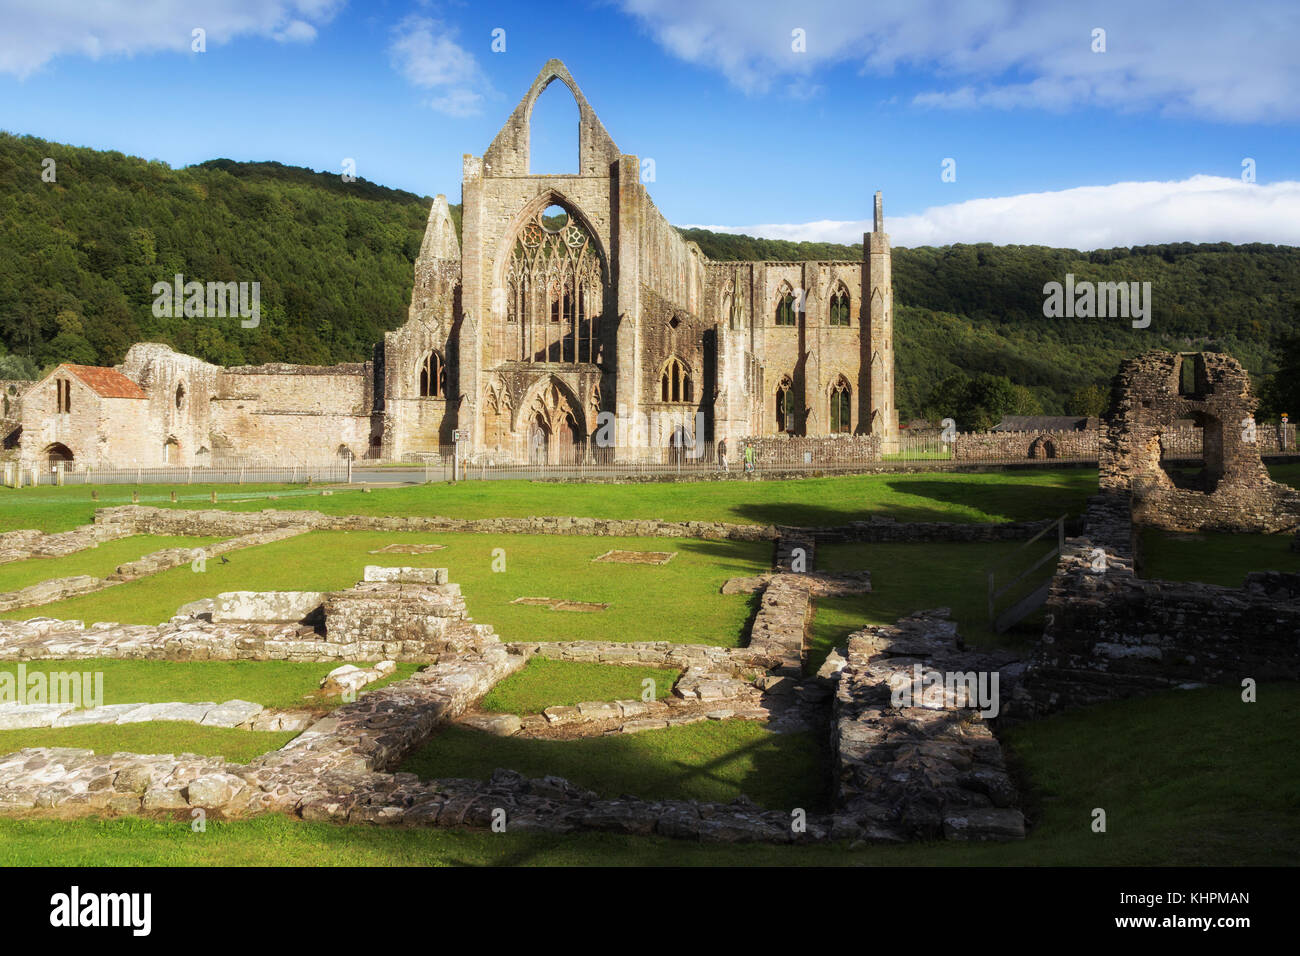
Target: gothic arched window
(841,408)
(840,307)
(785,406)
(433,376)
(785,313)
(675,382)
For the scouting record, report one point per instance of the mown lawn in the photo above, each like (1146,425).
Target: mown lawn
(280,685)
(912,496)
(715,761)
(1211,558)
(155,737)
(51,508)
(544,683)
(914,577)
(98,562)
(677,601)
(1226,794)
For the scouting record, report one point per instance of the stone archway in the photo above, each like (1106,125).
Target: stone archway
(555,423)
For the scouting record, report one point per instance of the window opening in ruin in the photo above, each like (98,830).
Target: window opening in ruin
(1187,374)
(553,284)
(675,382)
(554,218)
(785,407)
(841,408)
(785,308)
(553,132)
(63,395)
(840,307)
(180,396)
(433,376)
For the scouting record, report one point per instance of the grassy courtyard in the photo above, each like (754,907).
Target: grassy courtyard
(677,601)
(544,683)
(1211,558)
(98,562)
(906,496)
(1224,795)
(714,761)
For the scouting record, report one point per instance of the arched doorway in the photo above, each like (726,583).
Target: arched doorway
(555,425)
(58,454)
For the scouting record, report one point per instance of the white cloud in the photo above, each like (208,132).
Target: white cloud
(426,53)
(1199,209)
(36,31)
(1207,58)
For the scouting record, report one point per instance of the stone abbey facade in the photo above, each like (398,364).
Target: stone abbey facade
(569,320)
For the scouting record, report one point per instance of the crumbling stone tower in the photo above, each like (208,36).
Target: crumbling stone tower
(1233,492)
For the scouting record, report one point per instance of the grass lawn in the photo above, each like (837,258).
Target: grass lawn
(715,761)
(1214,558)
(1226,794)
(914,577)
(280,685)
(544,683)
(911,496)
(155,737)
(677,601)
(1287,474)
(51,508)
(99,562)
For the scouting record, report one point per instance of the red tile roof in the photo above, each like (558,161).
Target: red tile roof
(108,382)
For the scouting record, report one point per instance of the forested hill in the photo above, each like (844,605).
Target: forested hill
(79,257)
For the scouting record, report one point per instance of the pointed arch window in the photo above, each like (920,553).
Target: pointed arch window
(840,310)
(785,406)
(785,312)
(433,376)
(554,291)
(841,408)
(675,382)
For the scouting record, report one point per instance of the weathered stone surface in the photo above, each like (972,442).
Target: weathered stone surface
(917,765)
(405,575)
(275,606)
(232,713)
(499,725)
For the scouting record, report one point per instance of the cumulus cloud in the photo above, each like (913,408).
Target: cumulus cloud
(425,51)
(1199,209)
(1204,58)
(34,32)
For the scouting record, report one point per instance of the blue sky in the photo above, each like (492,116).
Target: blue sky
(746,131)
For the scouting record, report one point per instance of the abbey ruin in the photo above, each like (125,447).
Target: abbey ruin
(569,319)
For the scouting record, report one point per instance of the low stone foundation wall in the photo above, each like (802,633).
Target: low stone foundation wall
(927,769)
(1111,634)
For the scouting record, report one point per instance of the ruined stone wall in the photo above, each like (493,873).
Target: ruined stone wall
(1111,634)
(969,446)
(181,389)
(831,450)
(293,413)
(1233,491)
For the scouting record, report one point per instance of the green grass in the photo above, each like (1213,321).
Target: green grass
(678,601)
(544,683)
(1212,558)
(98,562)
(715,761)
(908,577)
(51,508)
(154,737)
(937,496)
(1287,473)
(1226,795)
(280,685)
